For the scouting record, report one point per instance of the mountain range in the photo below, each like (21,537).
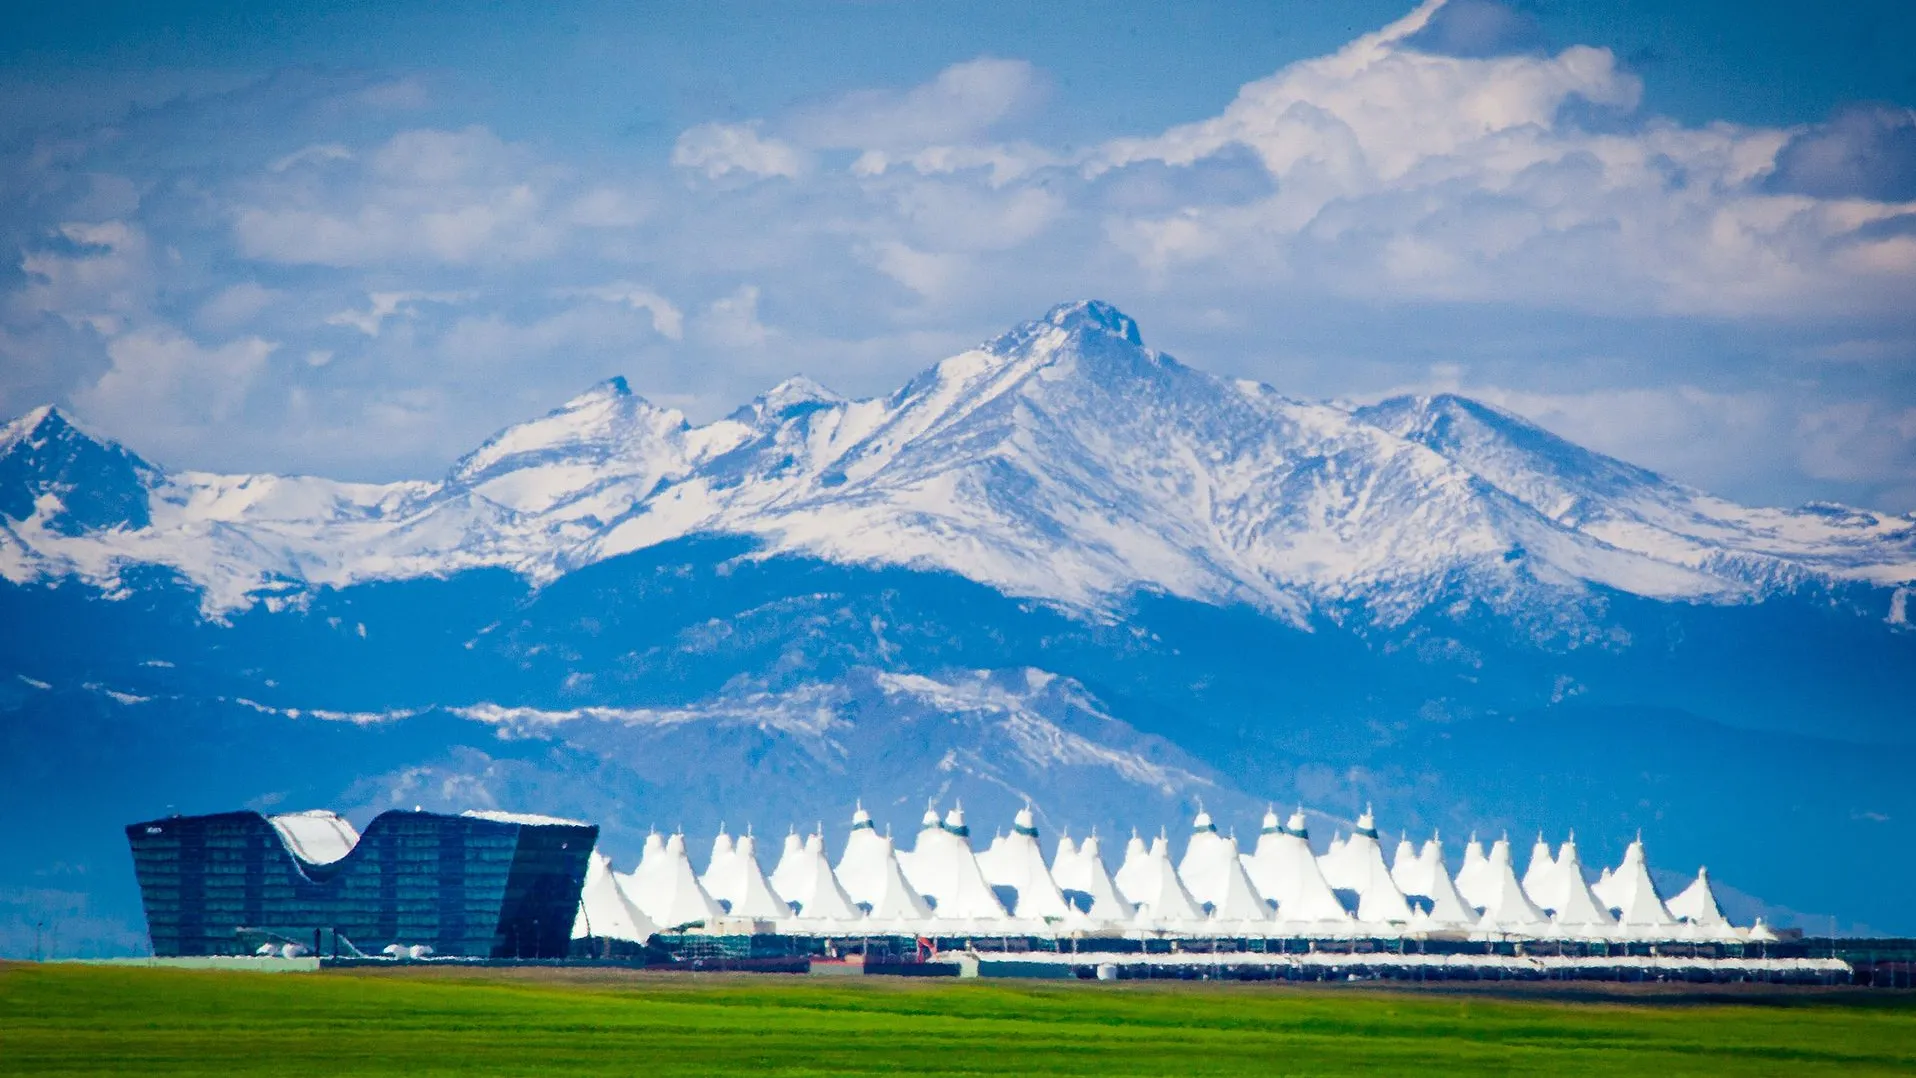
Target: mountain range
(1059,566)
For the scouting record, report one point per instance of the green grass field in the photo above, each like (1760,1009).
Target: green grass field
(72,1019)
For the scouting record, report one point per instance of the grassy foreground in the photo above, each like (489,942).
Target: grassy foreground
(69,1019)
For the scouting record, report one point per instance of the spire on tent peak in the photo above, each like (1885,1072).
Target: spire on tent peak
(1024,823)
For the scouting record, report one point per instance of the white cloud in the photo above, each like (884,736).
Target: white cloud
(666,318)
(1403,174)
(162,375)
(959,105)
(732,322)
(316,154)
(101,278)
(384,305)
(717,149)
(451,197)
(235,305)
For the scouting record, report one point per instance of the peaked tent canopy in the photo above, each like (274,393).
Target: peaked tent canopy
(821,899)
(1631,894)
(604,910)
(671,894)
(861,868)
(740,885)
(1697,904)
(1134,872)
(1017,862)
(894,901)
(1284,869)
(788,876)
(1102,900)
(1566,896)
(1507,906)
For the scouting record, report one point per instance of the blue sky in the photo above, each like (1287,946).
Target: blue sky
(354,239)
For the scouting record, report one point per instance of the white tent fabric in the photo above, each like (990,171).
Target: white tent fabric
(1697,904)
(1604,889)
(1238,900)
(1284,869)
(1068,869)
(893,901)
(1539,877)
(1632,894)
(1761,933)
(1017,862)
(1107,903)
(604,910)
(1409,870)
(1447,908)
(861,868)
(724,850)
(786,876)
(1358,865)
(1507,906)
(1566,896)
(1134,872)
(1165,902)
(942,868)
(641,881)
(820,898)
(669,892)
(1205,866)
(740,885)
(1472,883)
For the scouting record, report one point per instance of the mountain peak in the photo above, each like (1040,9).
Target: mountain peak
(93,482)
(612,389)
(1095,315)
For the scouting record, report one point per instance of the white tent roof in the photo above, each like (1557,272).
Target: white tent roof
(604,909)
(1134,873)
(941,867)
(1165,900)
(1540,875)
(1017,862)
(666,888)
(1283,868)
(741,884)
(1447,907)
(1506,905)
(1408,869)
(1697,904)
(1358,866)
(894,900)
(861,868)
(1107,902)
(788,876)
(1068,869)
(1566,895)
(719,864)
(1238,898)
(1471,880)
(1633,896)
(1206,865)
(820,897)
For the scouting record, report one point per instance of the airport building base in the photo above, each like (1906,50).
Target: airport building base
(1870,963)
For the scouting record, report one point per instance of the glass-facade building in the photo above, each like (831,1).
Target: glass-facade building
(482,885)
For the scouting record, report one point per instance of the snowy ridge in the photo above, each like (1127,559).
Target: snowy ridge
(1062,461)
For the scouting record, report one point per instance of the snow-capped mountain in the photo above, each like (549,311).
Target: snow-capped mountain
(1062,461)
(1059,566)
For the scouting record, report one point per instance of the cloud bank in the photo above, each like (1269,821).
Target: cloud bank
(299,274)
